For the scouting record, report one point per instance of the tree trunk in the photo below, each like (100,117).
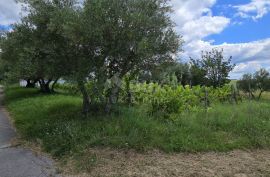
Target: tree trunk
(252,95)
(53,85)
(112,99)
(259,97)
(86,99)
(128,92)
(45,86)
(30,84)
(233,94)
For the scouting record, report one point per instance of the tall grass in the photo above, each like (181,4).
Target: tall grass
(56,122)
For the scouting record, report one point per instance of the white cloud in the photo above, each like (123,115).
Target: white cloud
(203,27)
(248,67)
(249,57)
(255,9)
(187,10)
(9,12)
(246,52)
(194,19)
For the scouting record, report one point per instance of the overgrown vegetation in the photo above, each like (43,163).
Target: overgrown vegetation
(164,99)
(257,82)
(56,122)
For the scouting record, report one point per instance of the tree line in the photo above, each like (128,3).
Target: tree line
(105,42)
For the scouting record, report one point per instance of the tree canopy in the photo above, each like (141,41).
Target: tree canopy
(212,69)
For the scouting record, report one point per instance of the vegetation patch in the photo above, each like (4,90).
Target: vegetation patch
(57,123)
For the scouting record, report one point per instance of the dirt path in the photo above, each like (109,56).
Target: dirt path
(18,161)
(110,163)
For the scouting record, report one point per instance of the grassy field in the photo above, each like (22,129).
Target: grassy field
(55,121)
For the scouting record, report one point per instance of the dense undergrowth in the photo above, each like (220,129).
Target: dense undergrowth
(162,99)
(56,122)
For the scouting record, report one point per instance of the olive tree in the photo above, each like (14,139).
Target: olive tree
(135,34)
(110,39)
(36,48)
(247,84)
(17,51)
(259,81)
(262,78)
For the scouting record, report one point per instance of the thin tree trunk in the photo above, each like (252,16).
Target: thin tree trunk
(86,99)
(30,84)
(54,83)
(45,86)
(233,95)
(128,92)
(42,85)
(112,99)
(252,95)
(259,97)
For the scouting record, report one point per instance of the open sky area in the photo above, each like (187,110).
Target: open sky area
(240,27)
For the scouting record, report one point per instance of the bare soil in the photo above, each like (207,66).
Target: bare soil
(126,163)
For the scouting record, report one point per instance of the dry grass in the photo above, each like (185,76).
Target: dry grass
(121,163)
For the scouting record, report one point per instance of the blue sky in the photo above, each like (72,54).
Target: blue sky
(241,30)
(247,31)
(240,27)
(5,27)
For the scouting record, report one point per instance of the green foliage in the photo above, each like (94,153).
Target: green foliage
(67,88)
(36,49)
(169,99)
(262,78)
(61,129)
(161,99)
(259,81)
(212,70)
(167,72)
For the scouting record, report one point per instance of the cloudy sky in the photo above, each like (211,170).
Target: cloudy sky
(240,27)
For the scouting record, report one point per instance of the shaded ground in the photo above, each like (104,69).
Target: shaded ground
(156,164)
(17,161)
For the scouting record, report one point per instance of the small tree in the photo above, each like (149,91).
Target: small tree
(262,81)
(259,81)
(212,69)
(217,67)
(247,84)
